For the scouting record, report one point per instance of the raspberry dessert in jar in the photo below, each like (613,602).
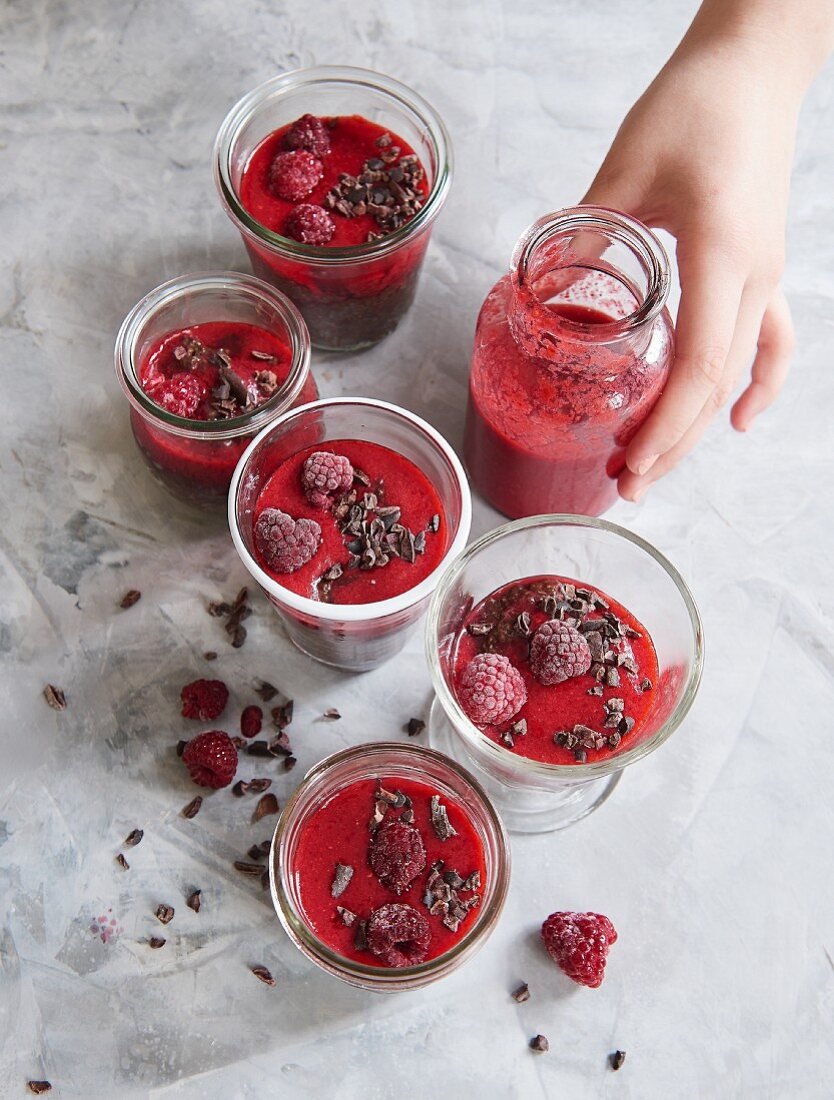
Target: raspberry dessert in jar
(562,649)
(346,512)
(334,177)
(389,867)
(572,350)
(206,361)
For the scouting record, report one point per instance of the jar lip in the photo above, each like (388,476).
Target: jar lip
(318,255)
(294,331)
(354,612)
(487,915)
(627,230)
(528,768)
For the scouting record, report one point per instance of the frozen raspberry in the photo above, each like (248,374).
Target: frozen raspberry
(557,652)
(293,176)
(491,690)
(397,855)
(309,224)
(181,395)
(398,934)
(286,543)
(211,758)
(251,721)
(204,699)
(324,473)
(578,943)
(310,133)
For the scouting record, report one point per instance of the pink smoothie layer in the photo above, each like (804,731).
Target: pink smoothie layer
(395,480)
(338,833)
(561,707)
(353,142)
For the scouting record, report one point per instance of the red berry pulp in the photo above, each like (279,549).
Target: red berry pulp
(559,707)
(338,833)
(395,481)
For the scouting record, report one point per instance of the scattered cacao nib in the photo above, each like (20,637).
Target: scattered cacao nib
(282,716)
(415,727)
(629,664)
(615,704)
(258,748)
(234,614)
(257,786)
(626,725)
(539,1044)
(440,819)
(55,697)
(434,524)
(612,677)
(247,868)
(181,747)
(346,916)
(193,807)
(343,875)
(519,728)
(645,685)
(507,739)
(521,994)
(380,809)
(407,816)
(155,942)
(238,741)
(133,837)
(478,629)
(267,805)
(122,862)
(263,975)
(279,745)
(39,1087)
(598,689)
(193,901)
(266,691)
(332,715)
(260,851)
(289,763)
(164,913)
(130,598)
(209,655)
(387,188)
(522,624)
(265,878)
(580,756)
(240,788)
(616,1059)
(360,939)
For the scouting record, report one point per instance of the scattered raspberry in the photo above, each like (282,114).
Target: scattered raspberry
(398,934)
(491,690)
(181,395)
(397,855)
(211,758)
(324,473)
(251,721)
(204,700)
(310,133)
(578,943)
(293,176)
(557,652)
(286,543)
(309,224)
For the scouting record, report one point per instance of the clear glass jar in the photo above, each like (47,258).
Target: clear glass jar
(572,350)
(364,635)
(533,796)
(350,297)
(392,760)
(195,459)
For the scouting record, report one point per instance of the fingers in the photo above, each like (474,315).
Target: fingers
(711,290)
(770,367)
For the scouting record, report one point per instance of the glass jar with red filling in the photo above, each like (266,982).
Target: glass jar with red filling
(572,350)
(190,425)
(355,281)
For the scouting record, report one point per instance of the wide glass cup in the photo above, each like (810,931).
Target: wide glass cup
(351,636)
(533,796)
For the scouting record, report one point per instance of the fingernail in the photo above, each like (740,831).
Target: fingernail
(638,496)
(645,464)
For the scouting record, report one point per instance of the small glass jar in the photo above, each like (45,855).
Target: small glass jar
(195,459)
(533,796)
(572,350)
(364,635)
(395,761)
(354,296)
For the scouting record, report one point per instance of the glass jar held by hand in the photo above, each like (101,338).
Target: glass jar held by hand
(572,350)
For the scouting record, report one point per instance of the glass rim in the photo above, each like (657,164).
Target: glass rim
(527,768)
(642,241)
(376,609)
(294,331)
(319,255)
(487,916)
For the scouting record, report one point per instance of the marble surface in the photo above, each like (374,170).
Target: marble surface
(713,857)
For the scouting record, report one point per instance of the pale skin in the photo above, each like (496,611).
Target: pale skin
(706,154)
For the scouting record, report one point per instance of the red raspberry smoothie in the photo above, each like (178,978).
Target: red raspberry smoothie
(352,524)
(389,873)
(556,671)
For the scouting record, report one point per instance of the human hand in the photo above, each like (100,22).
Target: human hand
(706,154)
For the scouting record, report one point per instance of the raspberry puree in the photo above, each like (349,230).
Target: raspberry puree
(343,832)
(611,691)
(335,572)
